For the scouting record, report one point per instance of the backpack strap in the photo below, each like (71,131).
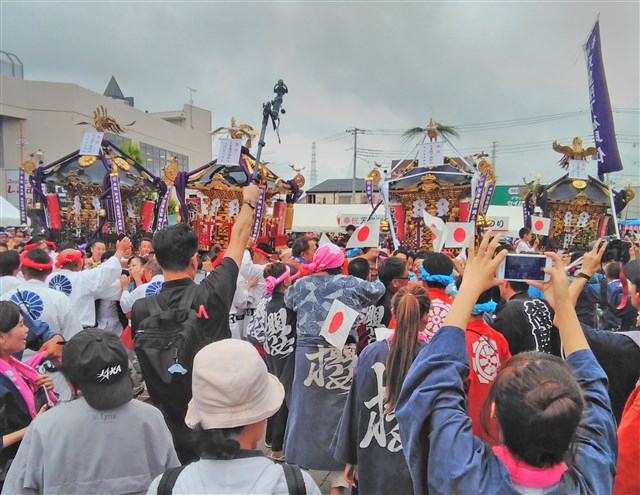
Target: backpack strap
(153,306)
(188,297)
(295,481)
(168,480)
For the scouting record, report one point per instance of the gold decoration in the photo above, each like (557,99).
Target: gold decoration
(237,131)
(103,123)
(29,167)
(171,172)
(573,152)
(579,184)
(87,161)
(38,206)
(374,175)
(122,163)
(103,212)
(629,194)
(299,180)
(384,225)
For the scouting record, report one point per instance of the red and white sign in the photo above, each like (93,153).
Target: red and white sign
(338,323)
(458,234)
(367,235)
(540,225)
(13,189)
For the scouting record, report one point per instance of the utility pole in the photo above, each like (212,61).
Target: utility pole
(314,171)
(493,155)
(355,131)
(191,91)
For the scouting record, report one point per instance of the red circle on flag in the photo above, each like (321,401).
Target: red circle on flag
(539,225)
(460,235)
(363,234)
(336,322)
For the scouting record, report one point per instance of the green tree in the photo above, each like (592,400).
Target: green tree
(134,151)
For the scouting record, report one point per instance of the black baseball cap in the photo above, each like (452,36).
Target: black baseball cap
(96,362)
(632,272)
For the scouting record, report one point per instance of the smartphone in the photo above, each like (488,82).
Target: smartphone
(42,398)
(521,267)
(126,272)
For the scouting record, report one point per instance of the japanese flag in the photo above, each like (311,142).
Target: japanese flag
(540,225)
(459,234)
(338,323)
(436,226)
(367,235)
(324,240)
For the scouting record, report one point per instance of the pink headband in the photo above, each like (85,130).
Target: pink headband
(327,257)
(271,282)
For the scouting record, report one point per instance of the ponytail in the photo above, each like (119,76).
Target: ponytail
(410,304)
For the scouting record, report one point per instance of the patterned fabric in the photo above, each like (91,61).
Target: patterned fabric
(258,325)
(321,383)
(311,298)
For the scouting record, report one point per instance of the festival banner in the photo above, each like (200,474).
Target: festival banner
(477,201)
(162,211)
(23,198)
(487,198)
(604,133)
(117,203)
(369,187)
(398,214)
(258,217)
(526,214)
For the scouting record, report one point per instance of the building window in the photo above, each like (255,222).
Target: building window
(117,140)
(158,158)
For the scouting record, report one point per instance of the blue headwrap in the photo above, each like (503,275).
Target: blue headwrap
(488,307)
(440,279)
(352,253)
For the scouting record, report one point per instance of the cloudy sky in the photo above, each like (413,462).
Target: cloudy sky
(490,68)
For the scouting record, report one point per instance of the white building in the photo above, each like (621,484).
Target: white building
(43,116)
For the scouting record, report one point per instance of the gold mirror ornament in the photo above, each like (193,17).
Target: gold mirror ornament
(87,161)
(579,184)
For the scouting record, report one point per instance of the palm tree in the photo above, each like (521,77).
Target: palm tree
(432,130)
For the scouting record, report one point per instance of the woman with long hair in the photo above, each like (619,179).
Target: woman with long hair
(19,403)
(554,417)
(367,439)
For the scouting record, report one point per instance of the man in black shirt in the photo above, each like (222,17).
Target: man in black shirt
(526,322)
(176,250)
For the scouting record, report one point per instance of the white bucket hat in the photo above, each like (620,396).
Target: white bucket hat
(231,387)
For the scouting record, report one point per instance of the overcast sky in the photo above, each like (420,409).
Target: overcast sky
(367,65)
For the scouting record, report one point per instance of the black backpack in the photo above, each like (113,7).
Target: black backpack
(166,342)
(292,474)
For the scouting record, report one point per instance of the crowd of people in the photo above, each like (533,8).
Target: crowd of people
(158,369)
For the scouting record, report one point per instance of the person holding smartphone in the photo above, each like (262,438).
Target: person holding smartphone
(21,394)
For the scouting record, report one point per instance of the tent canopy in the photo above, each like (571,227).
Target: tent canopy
(9,214)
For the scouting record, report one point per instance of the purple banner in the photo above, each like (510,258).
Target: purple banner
(604,133)
(258,218)
(369,186)
(526,214)
(117,203)
(23,198)
(487,198)
(162,212)
(475,208)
